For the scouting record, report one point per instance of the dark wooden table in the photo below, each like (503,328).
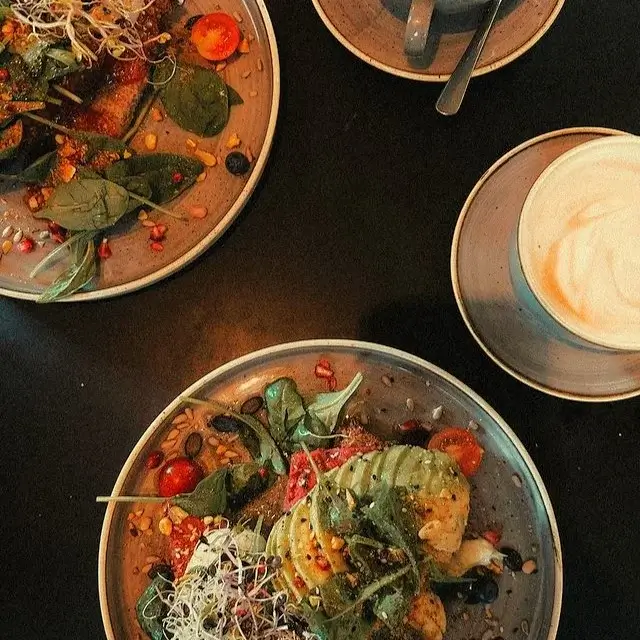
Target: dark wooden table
(348,235)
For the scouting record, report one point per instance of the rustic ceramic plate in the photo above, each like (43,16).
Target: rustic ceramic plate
(374,31)
(133,264)
(508,490)
(484,290)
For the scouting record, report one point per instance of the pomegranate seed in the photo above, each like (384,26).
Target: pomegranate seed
(54,227)
(177,178)
(104,250)
(25,245)
(333,383)
(4,75)
(299,582)
(262,472)
(157,246)
(323,372)
(409,425)
(158,232)
(492,537)
(154,460)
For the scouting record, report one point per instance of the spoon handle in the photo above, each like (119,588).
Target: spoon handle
(451,97)
(417,31)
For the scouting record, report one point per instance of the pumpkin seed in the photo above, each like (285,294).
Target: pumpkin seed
(252,405)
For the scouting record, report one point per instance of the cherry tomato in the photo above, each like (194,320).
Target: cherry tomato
(216,36)
(461,445)
(180,475)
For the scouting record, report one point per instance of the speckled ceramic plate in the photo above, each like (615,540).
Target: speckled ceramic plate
(133,264)
(507,492)
(490,306)
(374,31)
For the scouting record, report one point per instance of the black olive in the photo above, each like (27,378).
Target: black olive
(484,590)
(252,405)
(226,424)
(188,25)
(192,445)
(512,559)
(237,163)
(163,570)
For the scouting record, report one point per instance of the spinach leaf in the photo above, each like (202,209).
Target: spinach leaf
(38,171)
(208,498)
(195,97)
(60,251)
(10,140)
(347,627)
(87,203)
(395,526)
(285,408)
(152,175)
(228,488)
(151,610)
(234,97)
(78,275)
(392,607)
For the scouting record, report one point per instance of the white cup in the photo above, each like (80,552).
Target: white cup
(575,257)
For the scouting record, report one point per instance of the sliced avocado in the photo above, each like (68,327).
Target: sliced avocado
(304,552)
(324,536)
(376,469)
(392,463)
(280,534)
(411,469)
(344,474)
(361,476)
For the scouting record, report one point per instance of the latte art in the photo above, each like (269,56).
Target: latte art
(579,241)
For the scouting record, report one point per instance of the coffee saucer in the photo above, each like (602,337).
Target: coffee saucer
(490,306)
(374,31)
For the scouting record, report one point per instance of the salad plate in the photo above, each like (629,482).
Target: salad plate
(221,156)
(489,301)
(380,394)
(374,30)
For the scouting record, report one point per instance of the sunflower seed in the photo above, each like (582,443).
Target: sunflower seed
(436,414)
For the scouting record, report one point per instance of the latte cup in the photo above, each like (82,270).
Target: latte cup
(574,259)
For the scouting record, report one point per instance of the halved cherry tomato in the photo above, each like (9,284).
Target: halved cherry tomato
(180,475)
(461,445)
(216,36)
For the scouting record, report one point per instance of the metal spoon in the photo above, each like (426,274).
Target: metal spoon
(451,97)
(417,31)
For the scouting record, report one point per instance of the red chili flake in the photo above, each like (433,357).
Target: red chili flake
(323,563)
(4,75)
(25,245)
(262,472)
(157,246)
(492,537)
(299,582)
(154,459)
(104,250)
(158,232)
(333,383)
(409,425)
(262,569)
(177,177)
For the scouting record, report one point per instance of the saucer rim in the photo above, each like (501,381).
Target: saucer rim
(435,77)
(455,243)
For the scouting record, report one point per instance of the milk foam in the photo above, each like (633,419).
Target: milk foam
(579,241)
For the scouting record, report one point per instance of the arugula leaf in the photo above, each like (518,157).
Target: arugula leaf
(87,203)
(78,275)
(395,526)
(152,175)
(208,498)
(285,408)
(151,610)
(293,423)
(195,97)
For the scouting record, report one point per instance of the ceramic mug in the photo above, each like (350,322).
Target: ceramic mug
(574,258)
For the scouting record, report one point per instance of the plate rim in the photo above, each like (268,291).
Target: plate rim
(435,77)
(218,231)
(328,344)
(455,282)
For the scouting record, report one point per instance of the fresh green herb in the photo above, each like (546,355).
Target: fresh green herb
(194,97)
(347,627)
(293,423)
(392,607)
(150,608)
(269,451)
(81,271)
(85,204)
(153,176)
(395,526)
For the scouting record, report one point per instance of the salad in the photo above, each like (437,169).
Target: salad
(287,518)
(79,84)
